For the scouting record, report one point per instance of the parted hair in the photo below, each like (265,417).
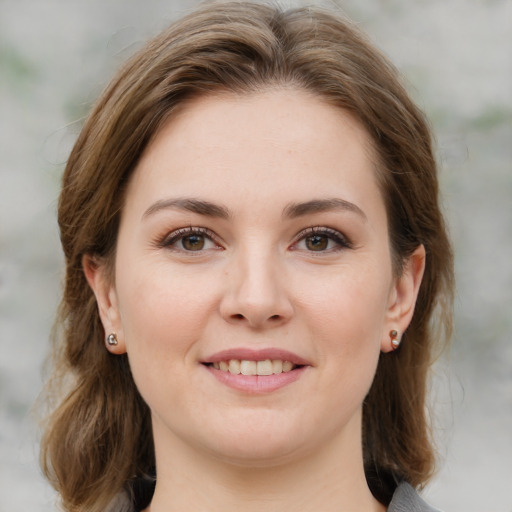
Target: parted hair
(97,438)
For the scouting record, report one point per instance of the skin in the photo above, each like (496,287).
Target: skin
(260,279)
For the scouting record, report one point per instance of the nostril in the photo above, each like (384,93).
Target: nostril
(240,316)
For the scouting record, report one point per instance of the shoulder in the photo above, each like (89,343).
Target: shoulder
(406,499)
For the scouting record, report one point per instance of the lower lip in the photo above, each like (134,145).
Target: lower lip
(257,384)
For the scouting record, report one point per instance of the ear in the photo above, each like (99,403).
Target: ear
(106,297)
(402,298)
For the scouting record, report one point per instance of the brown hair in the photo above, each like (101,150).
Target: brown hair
(99,436)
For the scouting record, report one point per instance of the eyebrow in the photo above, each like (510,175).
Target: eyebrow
(198,206)
(291,211)
(294,210)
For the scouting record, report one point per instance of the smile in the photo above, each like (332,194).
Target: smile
(262,368)
(256,371)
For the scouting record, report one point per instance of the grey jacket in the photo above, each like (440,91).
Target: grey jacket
(406,499)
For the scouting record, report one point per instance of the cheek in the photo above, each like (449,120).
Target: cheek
(161,326)
(349,307)
(348,323)
(162,315)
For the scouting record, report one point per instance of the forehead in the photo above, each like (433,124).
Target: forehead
(271,116)
(283,139)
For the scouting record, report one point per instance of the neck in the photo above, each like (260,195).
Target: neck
(331,480)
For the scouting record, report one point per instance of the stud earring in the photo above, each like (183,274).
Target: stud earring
(395,339)
(111,339)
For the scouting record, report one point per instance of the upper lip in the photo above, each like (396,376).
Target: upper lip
(248,354)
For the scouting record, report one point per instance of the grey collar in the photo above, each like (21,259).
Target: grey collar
(406,499)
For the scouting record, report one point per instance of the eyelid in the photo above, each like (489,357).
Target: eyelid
(176,234)
(342,240)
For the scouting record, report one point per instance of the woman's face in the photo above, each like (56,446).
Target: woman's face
(254,238)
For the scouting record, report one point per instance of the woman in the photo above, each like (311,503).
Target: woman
(257,275)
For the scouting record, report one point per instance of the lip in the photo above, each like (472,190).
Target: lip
(249,354)
(256,384)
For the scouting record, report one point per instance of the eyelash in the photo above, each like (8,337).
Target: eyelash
(341,241)
(182,233)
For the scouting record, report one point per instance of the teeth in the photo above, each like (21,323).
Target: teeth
(265,367)
(234,366)
(287,366)
(277,366)
(244,367)
(248,367)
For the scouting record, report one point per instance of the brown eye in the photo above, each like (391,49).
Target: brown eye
(321,239)
(190,239)
(317,242)
(193,242)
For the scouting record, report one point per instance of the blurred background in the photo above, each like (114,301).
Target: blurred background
(56,56)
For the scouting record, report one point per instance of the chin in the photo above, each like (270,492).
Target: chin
(258,443)
(261,454)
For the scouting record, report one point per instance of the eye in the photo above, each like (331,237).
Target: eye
(320,239)
(190,240)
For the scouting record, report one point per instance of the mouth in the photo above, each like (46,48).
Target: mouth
(256,371)
(263,367)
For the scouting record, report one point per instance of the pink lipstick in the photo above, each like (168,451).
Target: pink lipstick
(256,371)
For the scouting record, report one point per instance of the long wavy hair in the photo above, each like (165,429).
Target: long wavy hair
(98,436)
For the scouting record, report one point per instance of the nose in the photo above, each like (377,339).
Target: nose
(256,293)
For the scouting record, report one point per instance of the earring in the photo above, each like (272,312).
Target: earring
(395,339)
(112,339)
